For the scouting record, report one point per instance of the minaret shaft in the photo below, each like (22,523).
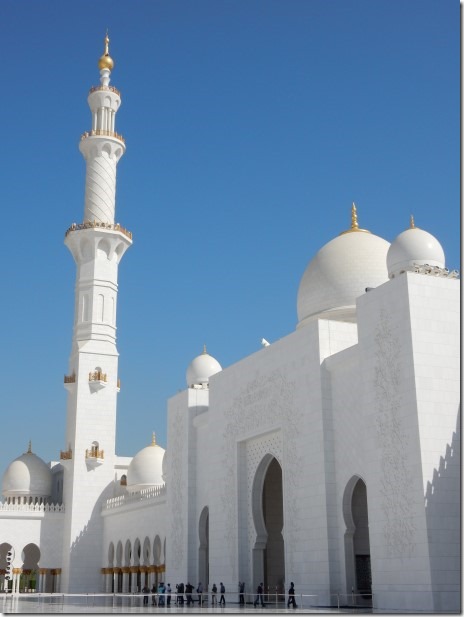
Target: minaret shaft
(97,246)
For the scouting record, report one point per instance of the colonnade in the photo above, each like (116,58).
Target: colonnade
(47,580)
(127,579)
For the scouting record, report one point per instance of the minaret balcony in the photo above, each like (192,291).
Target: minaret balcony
(69,381)
(97,380)
(100,225)
(102,133)
(118,385)
(94,457)
(111,88)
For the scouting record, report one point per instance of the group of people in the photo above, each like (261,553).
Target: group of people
(189,592)
(163,594)
(260,599)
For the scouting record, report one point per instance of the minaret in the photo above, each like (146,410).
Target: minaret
(97,246)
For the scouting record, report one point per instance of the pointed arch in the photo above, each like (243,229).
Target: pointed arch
(268,555)
(357,543)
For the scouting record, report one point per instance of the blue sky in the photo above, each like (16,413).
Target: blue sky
(251,126)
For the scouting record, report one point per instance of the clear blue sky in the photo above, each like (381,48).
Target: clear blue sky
(251,126)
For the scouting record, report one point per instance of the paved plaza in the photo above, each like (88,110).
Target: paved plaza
(127,604)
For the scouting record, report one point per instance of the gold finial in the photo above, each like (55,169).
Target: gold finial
(411,222)
(29,448)
(153,439)
(354,217)
(204,348)
(354,222)
(106,62)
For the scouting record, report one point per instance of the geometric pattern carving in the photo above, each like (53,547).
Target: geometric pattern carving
(396,480)
(176,489)
(263,405)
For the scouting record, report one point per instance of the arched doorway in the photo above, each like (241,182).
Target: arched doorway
(203,549)
(268,517)
(30,567)
(357,546)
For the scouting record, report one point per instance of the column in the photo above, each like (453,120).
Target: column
(42,575)
(16,579)
(134,571)
(103,579)
(57,580)
(125,579)
(109,579)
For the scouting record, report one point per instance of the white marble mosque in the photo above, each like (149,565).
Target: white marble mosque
(336,464)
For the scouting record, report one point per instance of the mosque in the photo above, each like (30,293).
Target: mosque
(337,461)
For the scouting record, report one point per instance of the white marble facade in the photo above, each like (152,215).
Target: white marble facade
(330,458)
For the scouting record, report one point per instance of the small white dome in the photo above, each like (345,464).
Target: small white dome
(146,468)
(340,273)
(201,369)
(27,476)
(414,247)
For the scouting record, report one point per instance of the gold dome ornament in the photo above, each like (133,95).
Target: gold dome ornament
(106,61)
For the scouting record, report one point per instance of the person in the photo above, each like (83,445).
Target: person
(145,591)
(161,590)
(241,588)
(180,597)
(168,595)
(153,595)
(259,596)
(291,596)
(223,591)
(213,595)
(188,593)
(200,593)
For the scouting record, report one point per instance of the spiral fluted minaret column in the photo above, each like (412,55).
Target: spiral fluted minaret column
(97,245)
(102,147)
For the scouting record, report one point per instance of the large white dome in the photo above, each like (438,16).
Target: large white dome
(146,468)
(27,476)
(340,273)
(414,247)
(201,369)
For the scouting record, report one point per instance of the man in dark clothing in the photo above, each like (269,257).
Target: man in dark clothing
(180,592)
(241,588)
(259,595)
(146,591)
(188,593)
(223,591)
(291,596)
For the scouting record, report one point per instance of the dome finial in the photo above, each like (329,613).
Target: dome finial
(29,448)
(354,222)
(411,223)
(354,217)
(153,439)
(106,62)
(204,348)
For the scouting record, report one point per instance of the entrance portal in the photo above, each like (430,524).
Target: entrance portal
(268,516)
(357,547)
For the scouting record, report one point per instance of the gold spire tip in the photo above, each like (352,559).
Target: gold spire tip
(354,217)
(411,222)
(153,439)
(354,222)
(204,348)
(29,448)
(106,62)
